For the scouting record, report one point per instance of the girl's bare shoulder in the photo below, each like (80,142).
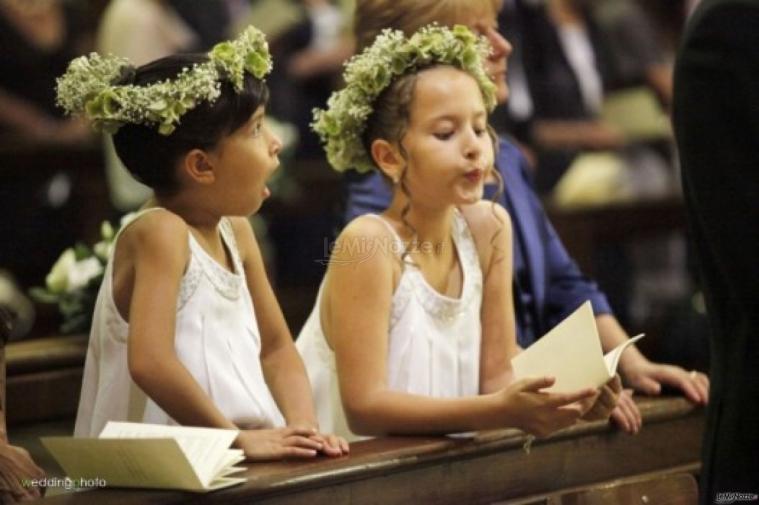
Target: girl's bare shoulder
(158,231)
(364,234)
(486,218)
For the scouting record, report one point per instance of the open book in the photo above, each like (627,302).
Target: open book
(572,353)
(151,456)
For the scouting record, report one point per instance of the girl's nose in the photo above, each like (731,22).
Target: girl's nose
(275,144)
(472,147)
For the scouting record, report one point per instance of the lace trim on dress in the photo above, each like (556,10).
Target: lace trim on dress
(444,308)
(226,283)
(190,280)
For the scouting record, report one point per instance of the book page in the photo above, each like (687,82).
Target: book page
(612,357)
(571,352)
(204,447)
(145,463)
(223,482)
(231,457)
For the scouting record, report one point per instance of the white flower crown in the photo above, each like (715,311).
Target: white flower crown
(87,87)
(342,125)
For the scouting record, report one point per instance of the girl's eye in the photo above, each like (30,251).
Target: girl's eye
(257,129)
(443,135)
(479,131)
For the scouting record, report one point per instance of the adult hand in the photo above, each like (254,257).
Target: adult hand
(649,377)
(16,466)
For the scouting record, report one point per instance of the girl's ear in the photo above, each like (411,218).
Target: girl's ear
(388,159)
(198,166)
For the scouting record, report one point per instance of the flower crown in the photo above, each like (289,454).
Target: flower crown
(342,125)
(87,88)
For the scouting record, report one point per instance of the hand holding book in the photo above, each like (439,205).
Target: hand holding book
(571,352)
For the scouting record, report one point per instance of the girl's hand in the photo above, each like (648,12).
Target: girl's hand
(278,443)
(606,401)
(540,413)
(332,445)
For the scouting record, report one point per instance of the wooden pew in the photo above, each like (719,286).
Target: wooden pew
(584,229)
(653,489)
(492,467)
(44,376)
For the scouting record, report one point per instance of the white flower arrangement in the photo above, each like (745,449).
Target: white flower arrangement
(87,88)
(342,125)
(74,279)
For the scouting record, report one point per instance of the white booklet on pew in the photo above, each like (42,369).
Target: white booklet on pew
(152,456)
(572,353)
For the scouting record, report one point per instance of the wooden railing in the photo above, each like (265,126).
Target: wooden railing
(44,376)
(491,467)
(583,230)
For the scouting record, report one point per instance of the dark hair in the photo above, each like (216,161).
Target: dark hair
(150,156)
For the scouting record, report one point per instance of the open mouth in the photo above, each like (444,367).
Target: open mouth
(474,175)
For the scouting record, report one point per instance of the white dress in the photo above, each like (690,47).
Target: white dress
(433,343)
(216,339)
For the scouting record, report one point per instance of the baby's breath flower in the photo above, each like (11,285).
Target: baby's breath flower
(341,125)
(88,87)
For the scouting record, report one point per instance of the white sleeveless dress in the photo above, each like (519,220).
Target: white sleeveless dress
(433,342)
(216,339)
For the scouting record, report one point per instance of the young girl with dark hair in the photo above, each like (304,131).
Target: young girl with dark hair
(186,327)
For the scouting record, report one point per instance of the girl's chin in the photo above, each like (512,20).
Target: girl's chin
(471,197)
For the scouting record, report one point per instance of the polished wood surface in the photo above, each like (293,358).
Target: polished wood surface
(491,467)
(674,489)
(583,230)
(44,377)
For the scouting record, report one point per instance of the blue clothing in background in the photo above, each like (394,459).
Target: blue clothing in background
(548,285)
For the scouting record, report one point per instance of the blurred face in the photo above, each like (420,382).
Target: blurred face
(244,161)
(449,151)
(485,23)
